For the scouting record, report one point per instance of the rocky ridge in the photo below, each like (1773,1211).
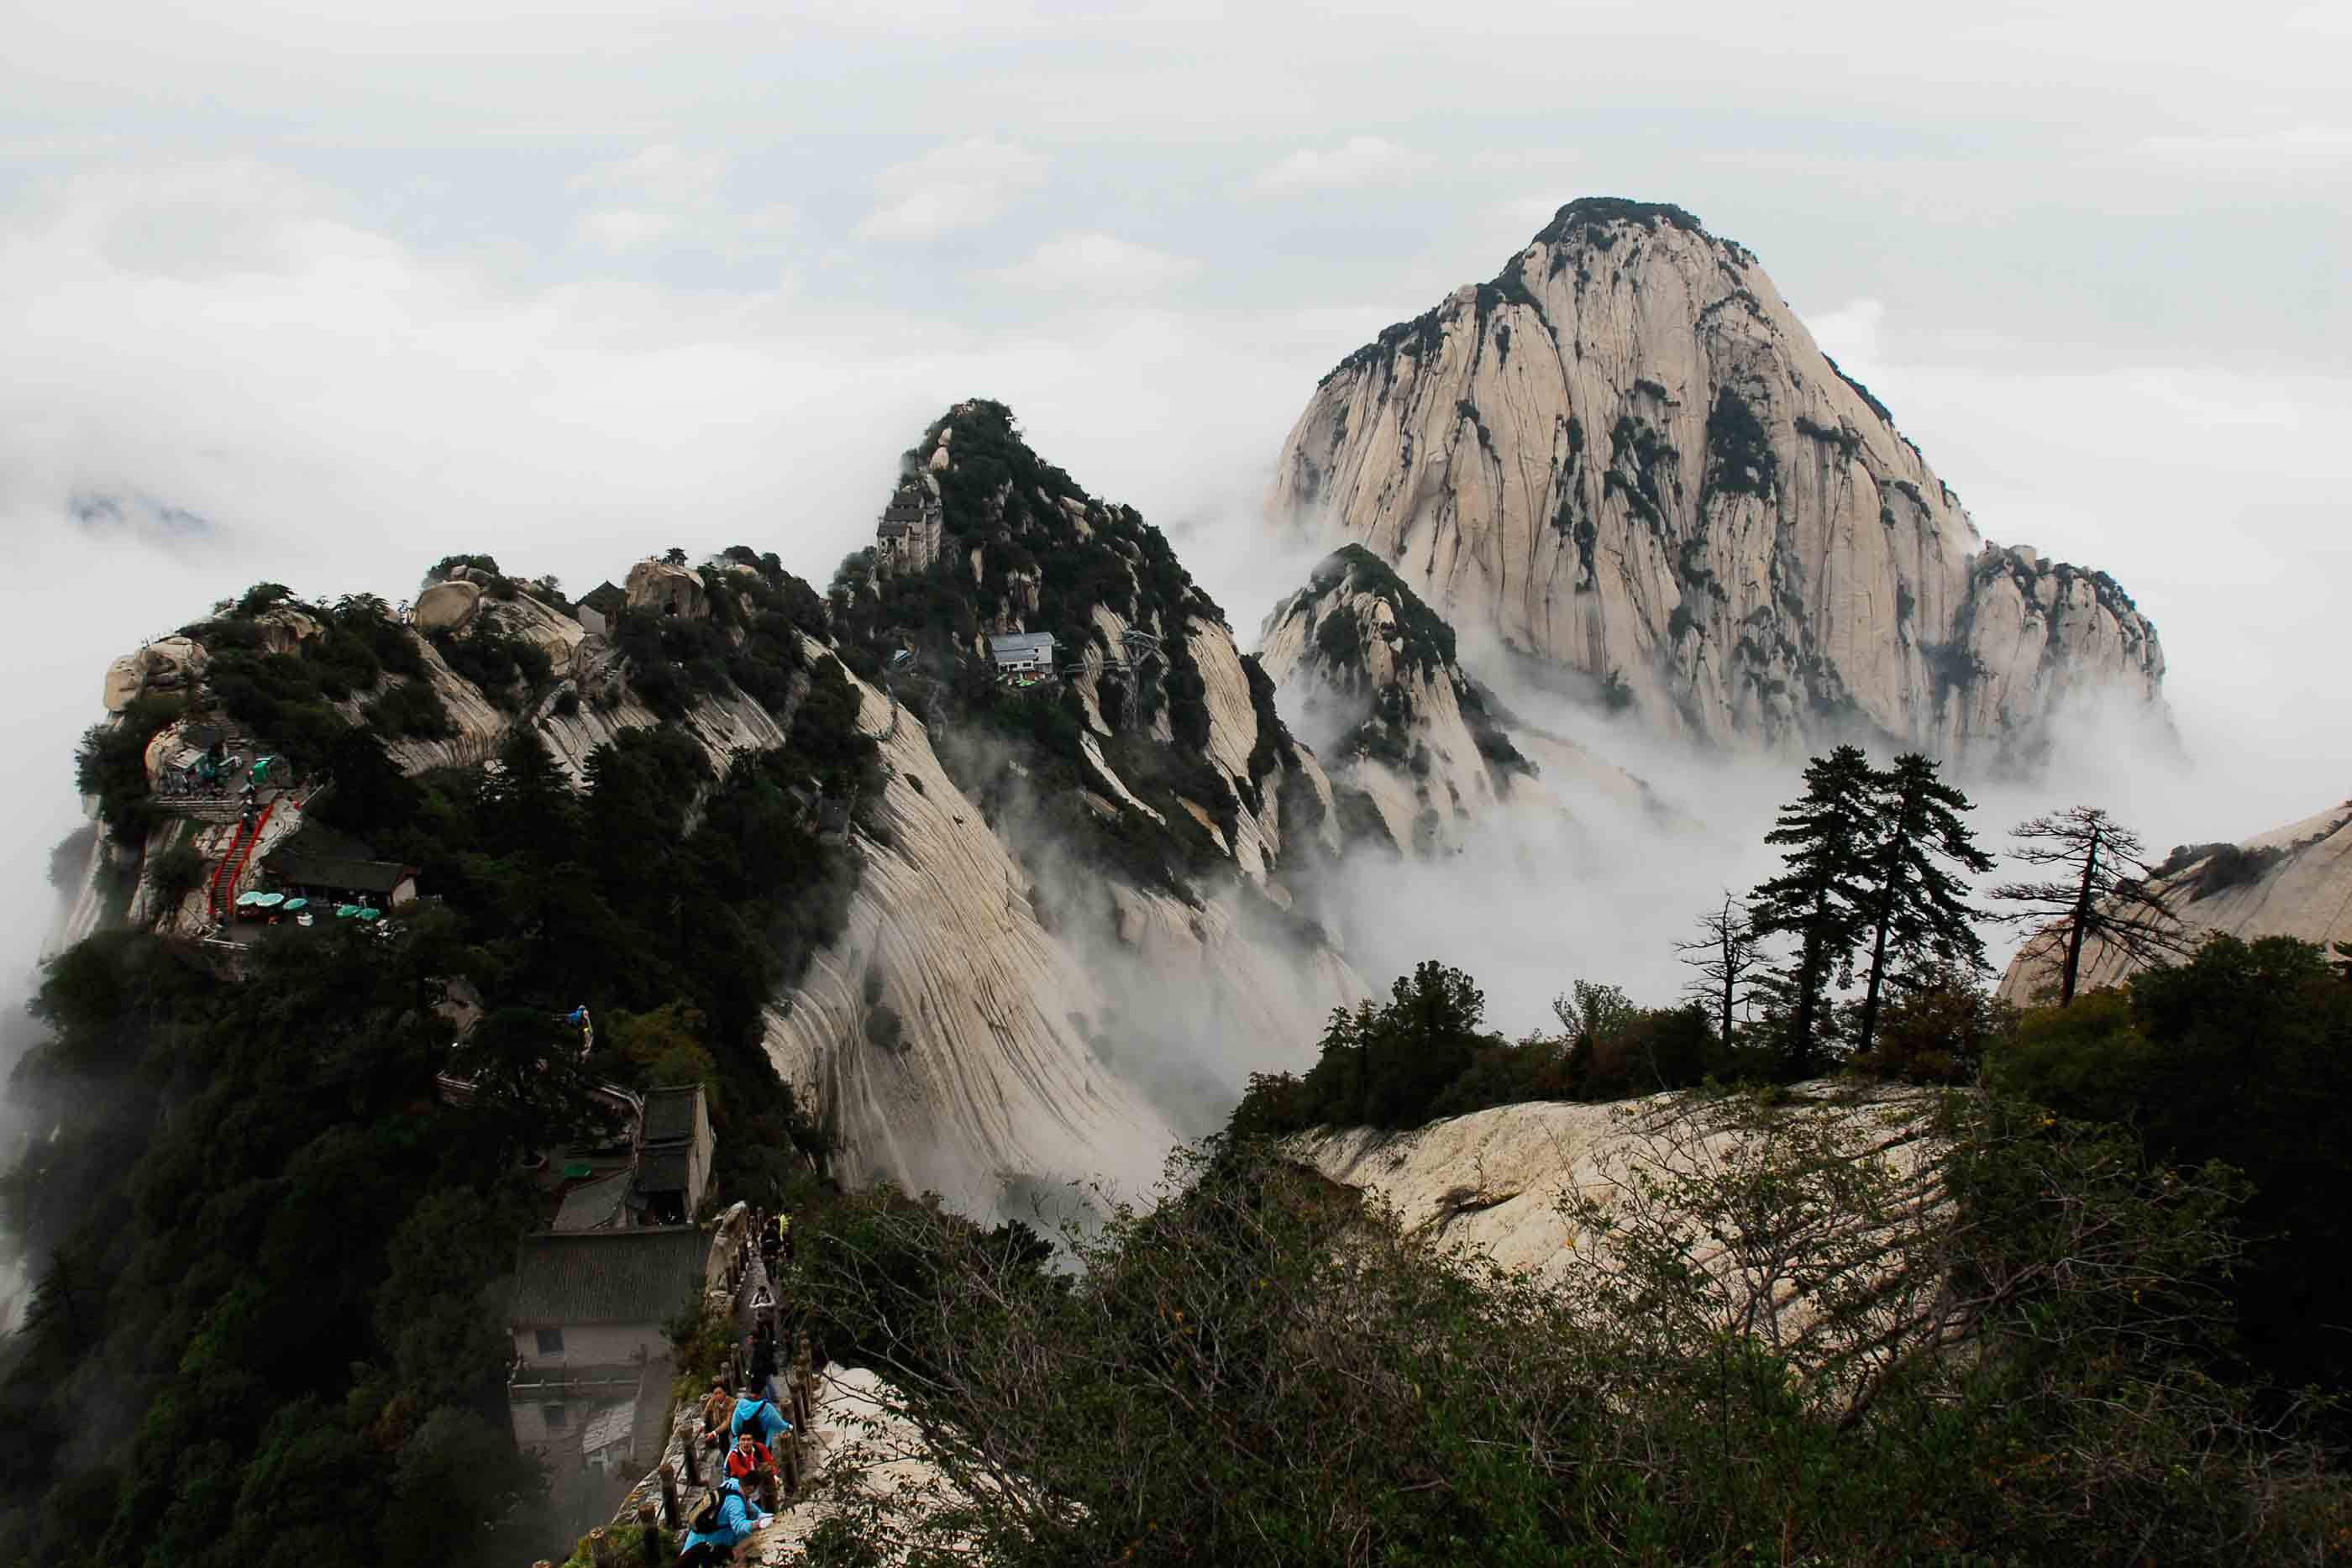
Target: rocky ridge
(2293,881)
(1411,739)
(1053,890)
(1625,458)
(1495,1181)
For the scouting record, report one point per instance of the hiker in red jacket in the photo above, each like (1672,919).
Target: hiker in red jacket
(753,1463)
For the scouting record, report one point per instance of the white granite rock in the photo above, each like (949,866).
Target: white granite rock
(447,606)
(1625,454)
(667,590)
(2295,880)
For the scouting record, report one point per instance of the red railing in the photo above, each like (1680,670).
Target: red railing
(232,865)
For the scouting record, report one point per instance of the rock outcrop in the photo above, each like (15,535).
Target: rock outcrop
(1495,1181)
(2295,880)
(1626,457)
(1073,927)
(667,590)
(447,606)
(1373,674)
(166,665)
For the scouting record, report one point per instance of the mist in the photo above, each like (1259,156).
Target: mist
(502,301)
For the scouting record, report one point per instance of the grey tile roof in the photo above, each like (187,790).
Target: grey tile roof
(1018,645)
(669,1113)
(662,1170)
(349,876)
(592,1204)
(607,1276)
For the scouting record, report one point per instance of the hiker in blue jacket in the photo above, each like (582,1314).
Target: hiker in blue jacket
(738,1517)
(757,1414)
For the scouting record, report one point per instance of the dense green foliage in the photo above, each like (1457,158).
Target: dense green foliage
(257,1336)
(110,765)
(262,1332)
(1423,1055)
(1261,1371)
(1589,217)
(287,699)
(2242,1053)
(1740,457)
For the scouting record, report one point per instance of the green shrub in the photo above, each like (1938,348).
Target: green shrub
(111,765)
(411,709)
(1739,456)
(173,874)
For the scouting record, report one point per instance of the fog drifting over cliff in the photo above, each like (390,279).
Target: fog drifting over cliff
(501,299)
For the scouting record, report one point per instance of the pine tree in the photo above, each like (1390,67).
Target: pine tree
(1918,908)
(2105,895)
(1821,899)
(1725,956)
(531,806)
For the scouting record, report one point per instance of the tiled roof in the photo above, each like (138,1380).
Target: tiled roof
(661,1171)
(592,1204)
(669,1113)
(351,876)
(1021,645)
(607,1276)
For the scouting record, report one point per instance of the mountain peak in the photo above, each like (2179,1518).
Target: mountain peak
(1625,456)
(1585,214)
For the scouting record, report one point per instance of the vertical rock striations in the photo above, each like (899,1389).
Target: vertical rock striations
(1410,738)
(1625,456)
(1076,903)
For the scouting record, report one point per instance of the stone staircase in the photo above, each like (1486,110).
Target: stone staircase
(222,896)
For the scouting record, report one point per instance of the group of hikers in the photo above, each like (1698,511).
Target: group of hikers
(747,1425)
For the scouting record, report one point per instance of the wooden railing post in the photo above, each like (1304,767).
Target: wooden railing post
(649,1537)
(669,1491)
(688,1454)
(600,1548)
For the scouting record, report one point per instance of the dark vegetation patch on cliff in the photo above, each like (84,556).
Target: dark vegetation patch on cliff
(260,1229)
(1049,556)
(1862,393)
(1740,457)
(1590,218)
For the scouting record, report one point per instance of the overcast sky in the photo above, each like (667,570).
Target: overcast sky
(361,285)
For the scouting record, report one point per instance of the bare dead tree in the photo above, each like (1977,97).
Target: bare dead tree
(2107,894)
(1724,953)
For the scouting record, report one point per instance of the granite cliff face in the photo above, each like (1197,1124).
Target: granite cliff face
(1065,897)
(1411,739)
(2295,880)
(1625,458)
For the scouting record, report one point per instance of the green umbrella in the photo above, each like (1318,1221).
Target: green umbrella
(346,910)
(297,905)
(367,915)
(247,900)
(267,899)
